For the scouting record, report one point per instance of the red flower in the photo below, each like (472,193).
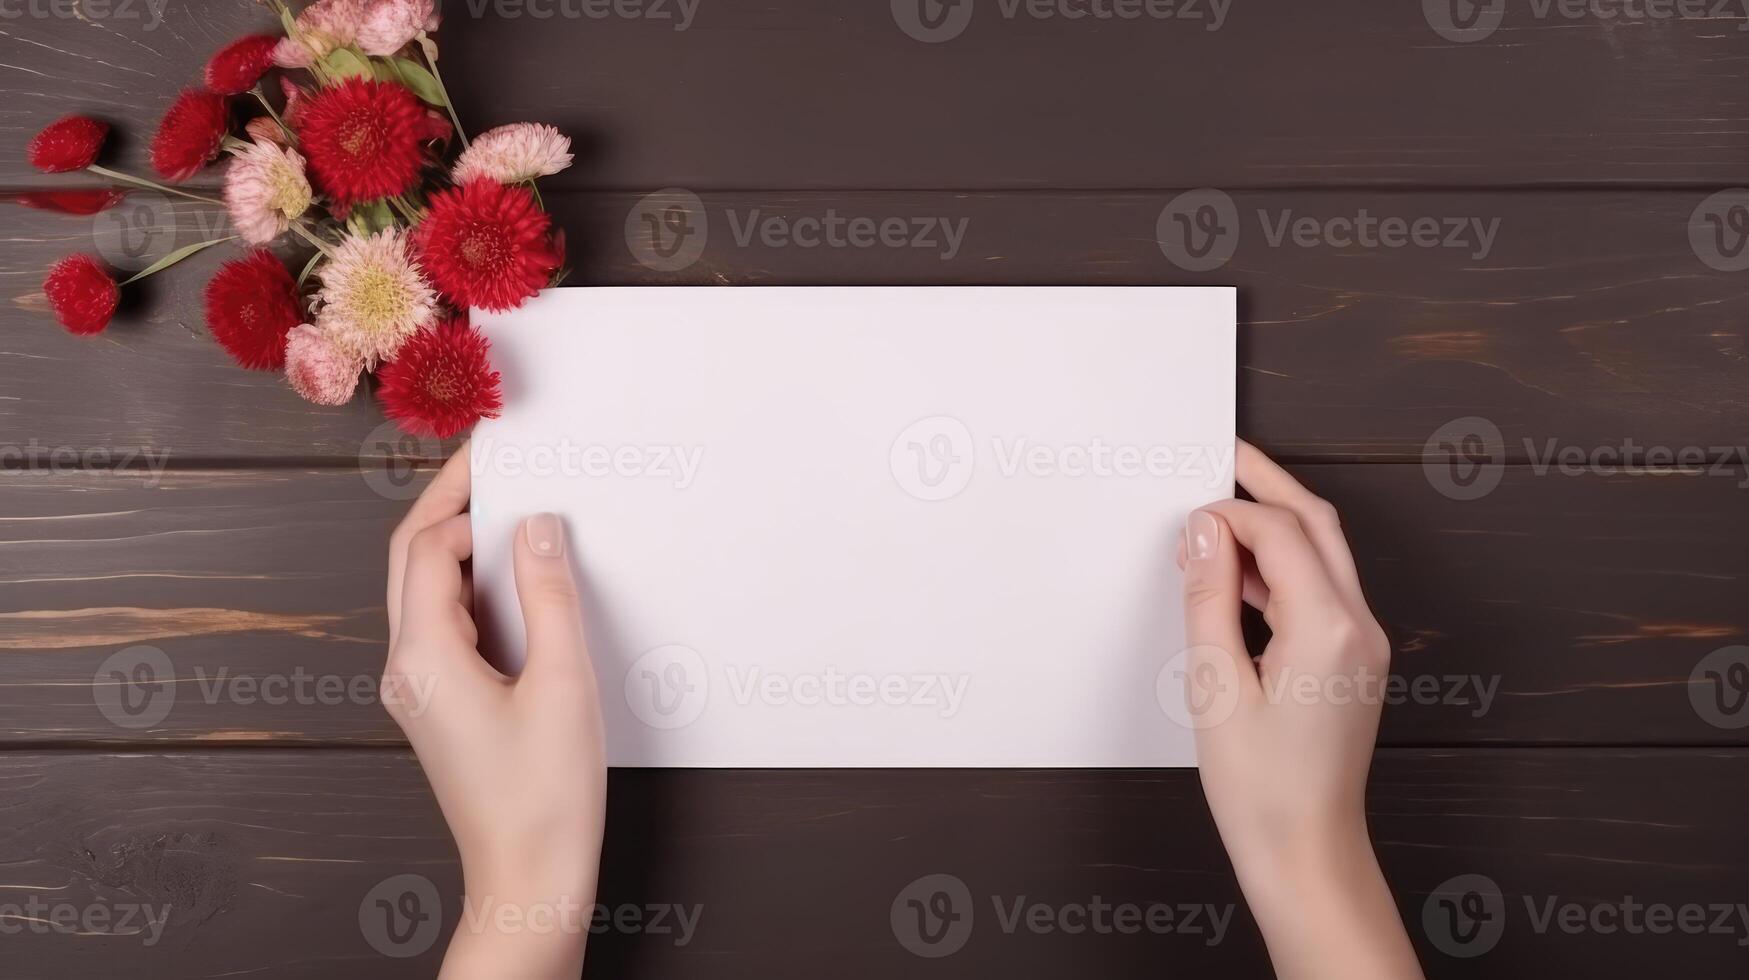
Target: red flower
(484,244)
(85,202)
(440,381)
(82,293)
(251,304)
(362,139)
(240,64)
(70,143)
(190,135)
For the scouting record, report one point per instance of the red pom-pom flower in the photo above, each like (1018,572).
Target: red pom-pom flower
(487,245)
(362,139)
(240,64)
(190,135)
(441,381)
(67,144)
(82,293)
(251,304)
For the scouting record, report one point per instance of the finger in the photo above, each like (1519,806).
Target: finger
(1299,585)
(434,589)
(1256,593)
(551,609)
(1265,480)
(445,497)
(1213,587)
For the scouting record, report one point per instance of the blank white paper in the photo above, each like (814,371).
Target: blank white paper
(866,526)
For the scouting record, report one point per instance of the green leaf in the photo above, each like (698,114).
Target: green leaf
(346,63)
(309,267)
(376,215)
(173,258)
(415,77)
(290,23)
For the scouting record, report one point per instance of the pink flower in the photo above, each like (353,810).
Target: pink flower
(390,25)
(322,27)
(373,296)
(317,369)
(265,191)
(513,154)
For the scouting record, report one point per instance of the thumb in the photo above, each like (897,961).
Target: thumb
(1214,592)
(551,611)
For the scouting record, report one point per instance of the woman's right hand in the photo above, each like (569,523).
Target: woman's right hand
(1284,742)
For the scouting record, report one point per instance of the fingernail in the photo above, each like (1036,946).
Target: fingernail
(546,535)
(1202,535)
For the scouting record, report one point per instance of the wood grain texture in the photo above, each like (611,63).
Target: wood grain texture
(1548,611)
(265,857)
(802,95)
(1588,319)
(122,61)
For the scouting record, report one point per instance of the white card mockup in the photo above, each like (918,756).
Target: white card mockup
(866,527)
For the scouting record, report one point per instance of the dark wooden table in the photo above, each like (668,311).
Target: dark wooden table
(196,780)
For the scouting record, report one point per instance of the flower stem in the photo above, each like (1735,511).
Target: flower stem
(261,97)
(429,46)
(173,258)
(321,245)
(150,184)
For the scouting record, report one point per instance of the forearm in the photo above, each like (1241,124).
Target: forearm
(1327,914)
(513,932)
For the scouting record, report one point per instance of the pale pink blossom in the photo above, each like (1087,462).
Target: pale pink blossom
(373,296)
(390,25)
(322,27)
(317,368)
(265,191)
(513,154)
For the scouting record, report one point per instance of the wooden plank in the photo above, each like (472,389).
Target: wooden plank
(272,861)
(1588,318)
(119,60)
(1547,611)
(801,95)
(807,94)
